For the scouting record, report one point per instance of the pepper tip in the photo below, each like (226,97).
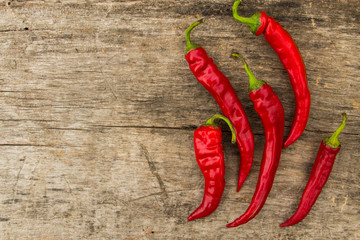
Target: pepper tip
(238,187)
(286,144)
(286,224)
(230,225)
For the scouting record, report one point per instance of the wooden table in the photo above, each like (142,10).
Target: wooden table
(98,109)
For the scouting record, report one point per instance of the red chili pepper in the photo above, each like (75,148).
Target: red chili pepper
(210,158)
(271,112)
(290,57)
(324,162)
(219,86)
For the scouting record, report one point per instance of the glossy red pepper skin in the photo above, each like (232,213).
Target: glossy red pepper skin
(219,86)
(290,57)
(320,172)
(319,175)
(210,158)
(268,106)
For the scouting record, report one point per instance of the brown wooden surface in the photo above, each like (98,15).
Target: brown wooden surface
(98,108)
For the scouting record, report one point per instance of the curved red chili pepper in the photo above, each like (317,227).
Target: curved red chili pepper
(210,158)
(290,57)
(271,112)
(324,162)
(219,86)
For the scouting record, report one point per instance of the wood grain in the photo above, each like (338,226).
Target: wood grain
(98,108)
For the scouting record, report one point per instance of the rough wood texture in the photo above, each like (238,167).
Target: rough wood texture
(98,109)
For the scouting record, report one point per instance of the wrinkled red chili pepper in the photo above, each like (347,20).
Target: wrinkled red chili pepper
(210,158)
(271,112)
(290,57)
(219,86)
(324,162)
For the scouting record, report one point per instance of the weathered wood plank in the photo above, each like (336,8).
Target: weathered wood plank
(98,108)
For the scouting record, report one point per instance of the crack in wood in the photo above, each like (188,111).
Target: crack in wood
(163,193)
(70,129)
(24,145)
(149,127)
(17,180)
(13,30)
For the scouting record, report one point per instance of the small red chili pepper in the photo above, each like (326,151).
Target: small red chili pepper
(210,158)
(290,57)
(324,162)
(271,112)
(219,86)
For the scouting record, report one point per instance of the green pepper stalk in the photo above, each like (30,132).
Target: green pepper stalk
(333,141)
(254,83)
(211,122)
(190,46)
(253,22)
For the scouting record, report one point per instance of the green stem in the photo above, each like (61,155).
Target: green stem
(211,122)
(189,45)
(253,22)
(333,141)
(254,83)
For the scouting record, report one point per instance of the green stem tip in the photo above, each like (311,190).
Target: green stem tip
(254,83)
(333,141)
(253,22)
(211,122)
(189,45)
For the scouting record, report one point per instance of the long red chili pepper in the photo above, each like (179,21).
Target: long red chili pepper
(219,86)
(324,162)
(271,112)
(290,57)
(210,158)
